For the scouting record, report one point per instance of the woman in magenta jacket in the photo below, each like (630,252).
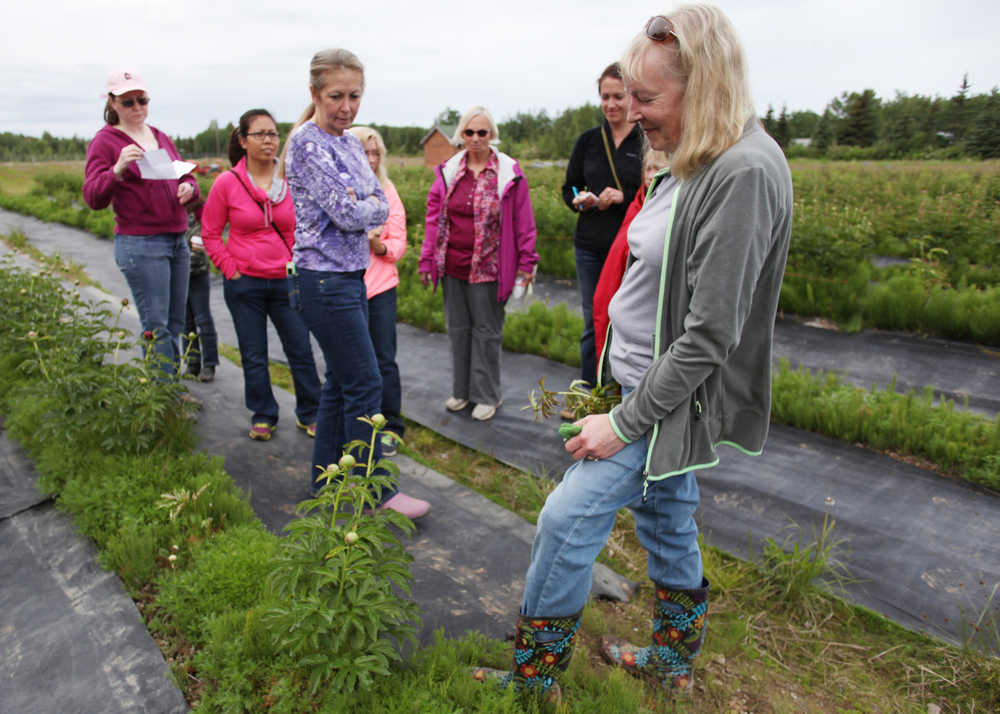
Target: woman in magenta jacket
(479,239)
(150,214)
(254,200)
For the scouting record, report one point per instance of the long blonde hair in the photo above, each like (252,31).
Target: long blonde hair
(322,62)
(706,55)
(364,133)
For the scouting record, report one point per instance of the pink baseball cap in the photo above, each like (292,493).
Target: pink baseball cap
(121,81)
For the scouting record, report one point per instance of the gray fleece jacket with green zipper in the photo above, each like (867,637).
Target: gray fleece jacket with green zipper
(724,258)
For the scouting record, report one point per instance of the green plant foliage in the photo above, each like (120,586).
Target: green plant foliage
(125,408)
(337,613)
(545,331)
(415,304)
(226,573)
(238,664)
(958,441)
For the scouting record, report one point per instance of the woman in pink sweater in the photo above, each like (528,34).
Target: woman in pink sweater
(253,199)
(387,244)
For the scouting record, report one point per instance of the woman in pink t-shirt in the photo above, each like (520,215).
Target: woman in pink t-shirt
(387,244)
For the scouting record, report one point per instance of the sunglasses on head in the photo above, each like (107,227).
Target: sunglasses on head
(143,101)
(482,133)
(660,28)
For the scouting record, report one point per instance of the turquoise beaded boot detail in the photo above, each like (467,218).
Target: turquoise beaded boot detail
(678,632)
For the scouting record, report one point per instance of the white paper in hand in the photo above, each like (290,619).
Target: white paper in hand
(158,166)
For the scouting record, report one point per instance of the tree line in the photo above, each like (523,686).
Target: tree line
(861,125)
(854,125)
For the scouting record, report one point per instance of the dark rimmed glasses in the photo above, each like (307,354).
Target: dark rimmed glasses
(482,133)
(262,135)
(660,29)
(129,103)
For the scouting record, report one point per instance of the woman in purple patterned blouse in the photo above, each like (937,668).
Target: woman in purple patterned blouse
(337,201)
(479,239)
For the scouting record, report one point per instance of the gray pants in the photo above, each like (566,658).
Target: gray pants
(474,320)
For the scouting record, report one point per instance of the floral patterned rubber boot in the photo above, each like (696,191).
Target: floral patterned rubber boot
(678,631)
(543,648)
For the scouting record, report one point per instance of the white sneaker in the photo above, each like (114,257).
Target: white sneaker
(484,412)
(454,404)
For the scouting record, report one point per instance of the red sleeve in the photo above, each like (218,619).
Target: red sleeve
(612,272)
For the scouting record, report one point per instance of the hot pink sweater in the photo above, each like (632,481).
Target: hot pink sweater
(253,247)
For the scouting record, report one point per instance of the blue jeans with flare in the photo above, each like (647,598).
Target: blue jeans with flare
(157,268)
(334,307)
(578,517)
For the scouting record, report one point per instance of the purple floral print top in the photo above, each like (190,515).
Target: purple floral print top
(331,231)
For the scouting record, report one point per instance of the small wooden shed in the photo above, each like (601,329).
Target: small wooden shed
(437,144)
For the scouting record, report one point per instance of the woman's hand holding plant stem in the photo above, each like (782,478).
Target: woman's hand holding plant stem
(597,439)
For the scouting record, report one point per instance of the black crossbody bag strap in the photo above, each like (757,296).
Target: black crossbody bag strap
(261,206)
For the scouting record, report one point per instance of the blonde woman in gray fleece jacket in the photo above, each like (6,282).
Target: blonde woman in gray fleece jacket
(690,343)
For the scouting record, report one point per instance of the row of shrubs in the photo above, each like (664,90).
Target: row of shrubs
(251,622)
(939,219)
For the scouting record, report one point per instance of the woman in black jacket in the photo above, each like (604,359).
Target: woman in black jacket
(604,169)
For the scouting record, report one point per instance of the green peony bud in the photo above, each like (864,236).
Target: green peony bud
(346,462)
(351,538)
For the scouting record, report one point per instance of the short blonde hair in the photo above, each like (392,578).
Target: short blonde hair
(364,133)
(471,114)
(654,157)
(706,55)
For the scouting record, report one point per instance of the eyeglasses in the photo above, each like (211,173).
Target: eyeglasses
(264,135)
(129,103)
(660,28)
(482,133)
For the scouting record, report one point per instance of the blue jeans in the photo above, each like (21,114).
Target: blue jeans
(588,272)
(578,517)
(382,328)
(334,307)
(251,301)
(203,349)
(156,268)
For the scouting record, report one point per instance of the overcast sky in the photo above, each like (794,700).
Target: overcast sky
(205,60)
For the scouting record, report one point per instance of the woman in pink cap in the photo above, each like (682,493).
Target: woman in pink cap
(150,214)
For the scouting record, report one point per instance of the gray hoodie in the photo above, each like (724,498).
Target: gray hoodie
(724,258)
